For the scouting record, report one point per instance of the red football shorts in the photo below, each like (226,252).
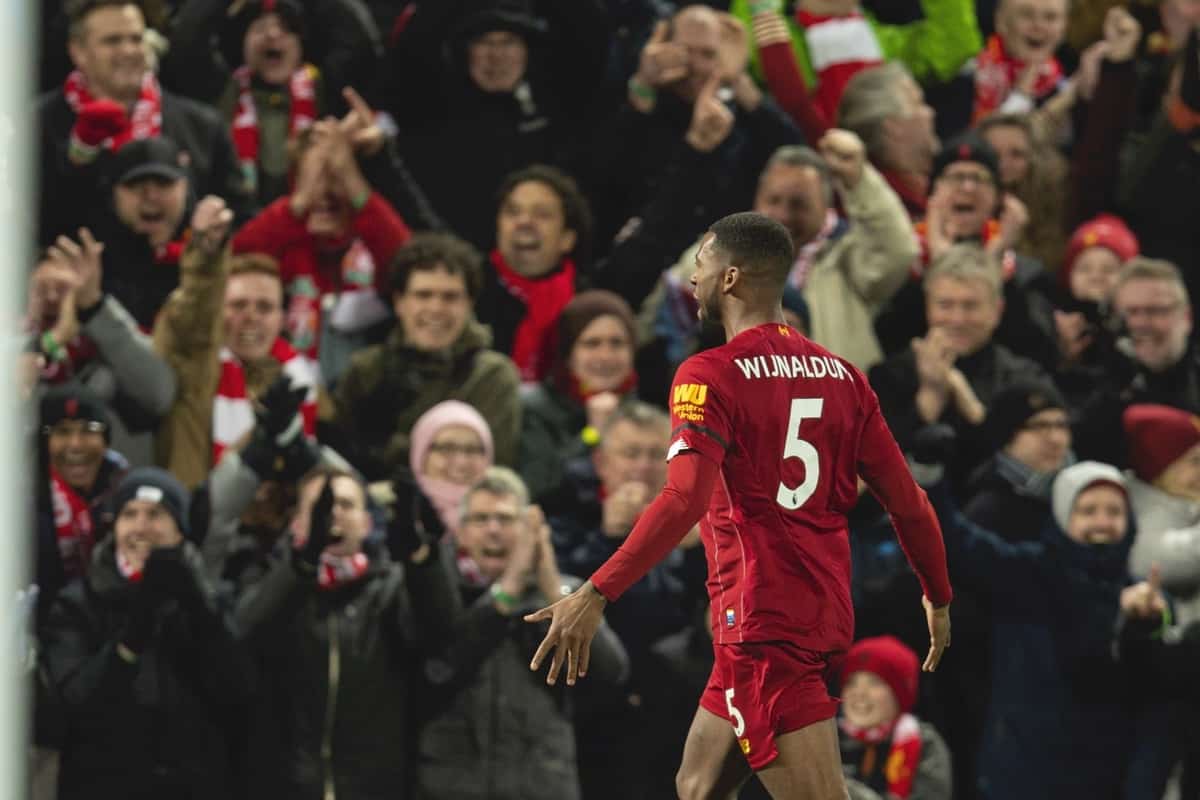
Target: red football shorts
(767,689)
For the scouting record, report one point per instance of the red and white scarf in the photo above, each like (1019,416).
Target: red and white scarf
(233,414)
(145,120)
(997,74)
(838,48)
(302,113)
(73,526)
(903,757)
(806,256)
(335,571)
(357,306)
(544,299)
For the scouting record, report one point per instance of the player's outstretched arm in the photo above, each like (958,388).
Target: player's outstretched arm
(575,618)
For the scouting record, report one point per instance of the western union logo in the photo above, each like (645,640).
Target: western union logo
(745,743)
(691,394)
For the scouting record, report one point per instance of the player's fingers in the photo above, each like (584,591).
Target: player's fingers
(540,614)
(572,663)
(585,657)
(660,33)
(545,647)
(556,664)
(1155,578)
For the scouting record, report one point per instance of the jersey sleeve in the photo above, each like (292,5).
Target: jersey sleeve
(700,412)
(886,472)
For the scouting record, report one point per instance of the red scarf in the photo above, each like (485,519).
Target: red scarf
(997,74)
(336,571)
(357,305)
(145,120)
(904,755)
(544,299)
(127,570)
(838,48)
(302,112)
(233,415)
(73,526)
(579,393)
(80,351)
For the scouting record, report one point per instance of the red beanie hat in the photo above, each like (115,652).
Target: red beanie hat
(1103,231)
(1158,436)
(891,660)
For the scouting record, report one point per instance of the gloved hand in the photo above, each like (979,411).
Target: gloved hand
(97,121)
(152,592)
(934,444)
(277,426)
(320,531)
(415,522)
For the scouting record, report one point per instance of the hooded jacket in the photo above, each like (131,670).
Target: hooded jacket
(1062,706)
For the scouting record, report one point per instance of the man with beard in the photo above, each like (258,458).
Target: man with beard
(113,98)
(784,429)
(1152,302)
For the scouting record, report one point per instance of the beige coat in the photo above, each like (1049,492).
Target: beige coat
(188,334)
(851,278)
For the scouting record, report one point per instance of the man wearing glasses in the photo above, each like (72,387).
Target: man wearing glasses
(1151,300)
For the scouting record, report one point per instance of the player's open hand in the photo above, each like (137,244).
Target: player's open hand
(573,623)
(939,633)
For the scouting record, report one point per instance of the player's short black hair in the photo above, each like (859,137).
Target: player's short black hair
(757,245)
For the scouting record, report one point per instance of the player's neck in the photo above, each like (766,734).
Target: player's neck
(743,319)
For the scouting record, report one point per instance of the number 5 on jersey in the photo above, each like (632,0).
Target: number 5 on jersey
(795,447)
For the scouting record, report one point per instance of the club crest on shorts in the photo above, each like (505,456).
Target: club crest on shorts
(730,618)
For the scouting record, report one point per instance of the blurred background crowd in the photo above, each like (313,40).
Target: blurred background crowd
(350,334)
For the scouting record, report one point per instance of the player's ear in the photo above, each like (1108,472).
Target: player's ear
(730,279)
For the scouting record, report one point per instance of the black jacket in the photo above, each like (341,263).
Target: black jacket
(993,366)
(342,662)
(68,192)
(493,730)
(155,728)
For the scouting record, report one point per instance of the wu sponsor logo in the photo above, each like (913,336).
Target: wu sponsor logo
(691,393)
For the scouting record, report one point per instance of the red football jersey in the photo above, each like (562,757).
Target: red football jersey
(792,426)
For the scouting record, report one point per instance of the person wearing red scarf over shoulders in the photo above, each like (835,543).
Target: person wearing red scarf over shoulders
(593,373)
(111,98)
(884,746)
(333,237)
(273,96)
(542,221)
(1017,69)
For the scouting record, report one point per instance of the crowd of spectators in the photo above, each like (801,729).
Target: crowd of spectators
(349,339)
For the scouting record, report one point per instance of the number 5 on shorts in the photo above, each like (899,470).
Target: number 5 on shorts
(735,716)
(795,447)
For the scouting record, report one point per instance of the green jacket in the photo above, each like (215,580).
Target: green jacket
(389,386)
(933,49)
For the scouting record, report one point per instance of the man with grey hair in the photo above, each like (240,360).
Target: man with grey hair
(479,740)
(951,374)
(887,109)
(846,268)
(1151,300)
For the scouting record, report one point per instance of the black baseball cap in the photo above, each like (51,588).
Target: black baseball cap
(156,157)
